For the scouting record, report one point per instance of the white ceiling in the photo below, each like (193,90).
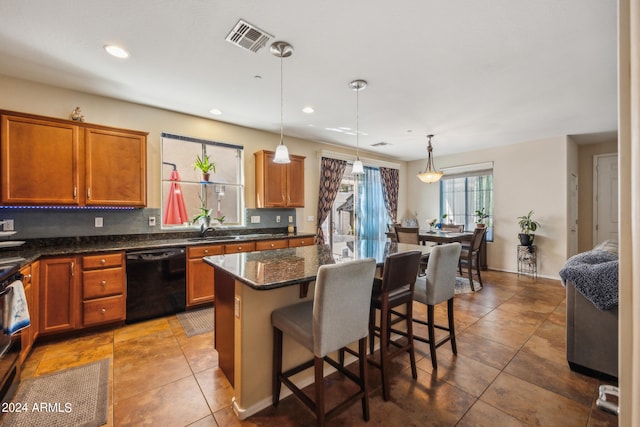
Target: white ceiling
(474,73)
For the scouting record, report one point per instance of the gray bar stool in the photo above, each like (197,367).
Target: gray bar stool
(438,285)
(337,316)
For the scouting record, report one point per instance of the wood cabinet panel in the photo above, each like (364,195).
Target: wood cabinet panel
(115,168)
(102,283)
(301,241)
(103,310)
(279,185)
(264,245)
(200,277)
(27,335)
(103,260)
(59,295)
(40,161)
(239,247)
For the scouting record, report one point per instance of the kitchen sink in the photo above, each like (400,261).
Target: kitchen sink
(238,237)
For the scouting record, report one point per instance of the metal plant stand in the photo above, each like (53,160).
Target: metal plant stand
(528,260)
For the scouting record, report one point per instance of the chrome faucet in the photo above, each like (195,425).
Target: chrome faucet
(204,228)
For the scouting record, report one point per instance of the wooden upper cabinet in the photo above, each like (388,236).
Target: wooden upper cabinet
(48,161)
(40,161)
(115,168)
(279,185)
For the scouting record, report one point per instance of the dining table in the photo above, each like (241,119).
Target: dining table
(439,237)
(249,286)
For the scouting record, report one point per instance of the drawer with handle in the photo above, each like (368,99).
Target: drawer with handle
(103,310)
(102,283)
(103,260)
(264,245)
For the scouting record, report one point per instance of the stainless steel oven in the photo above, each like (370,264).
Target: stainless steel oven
(9,346)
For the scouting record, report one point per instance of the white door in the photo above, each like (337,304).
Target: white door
(605,187)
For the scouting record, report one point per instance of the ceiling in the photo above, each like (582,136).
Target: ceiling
(474,73)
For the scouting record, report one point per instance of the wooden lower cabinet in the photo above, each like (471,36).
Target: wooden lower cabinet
(200,275)
(30,282)
(59,295)
(104,284)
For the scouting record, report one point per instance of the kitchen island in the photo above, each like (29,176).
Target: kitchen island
(248,287)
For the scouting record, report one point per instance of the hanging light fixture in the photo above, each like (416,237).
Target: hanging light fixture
(357,85)
(282,50)
(430,174)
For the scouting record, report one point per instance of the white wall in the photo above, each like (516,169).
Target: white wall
(526,176)
(27,97)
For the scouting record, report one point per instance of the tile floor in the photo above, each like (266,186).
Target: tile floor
(510,370)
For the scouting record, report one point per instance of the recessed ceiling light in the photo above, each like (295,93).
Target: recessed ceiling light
(116,51)
(215,111)
(308,110)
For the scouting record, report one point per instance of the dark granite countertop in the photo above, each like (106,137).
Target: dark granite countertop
(278,268)
(33,249)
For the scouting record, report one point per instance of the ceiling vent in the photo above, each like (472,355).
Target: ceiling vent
(380,144)
(248,36)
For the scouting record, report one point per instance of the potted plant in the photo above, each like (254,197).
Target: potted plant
(527,228)
(205,165)
(481,217)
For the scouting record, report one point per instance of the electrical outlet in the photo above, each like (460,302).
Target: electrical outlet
(152,221)
(290,218)
(255,219)
(7,225)
(311,218)
(98,222)
(278,218)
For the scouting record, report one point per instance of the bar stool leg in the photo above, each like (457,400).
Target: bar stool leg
(277,366)
(432,335)
(319,390)
(452,330)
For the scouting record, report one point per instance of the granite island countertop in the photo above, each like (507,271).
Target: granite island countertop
(279,268)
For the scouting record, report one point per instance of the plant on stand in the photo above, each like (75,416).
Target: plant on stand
(527,228)
(204,165)
(481,218)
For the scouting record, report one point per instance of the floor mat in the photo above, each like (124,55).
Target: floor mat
(74,397)
(195,322)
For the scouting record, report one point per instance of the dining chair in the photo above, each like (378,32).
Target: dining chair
(470,258)
(394,289)
(438,285)
(407,235)
(458,228)
(337,316)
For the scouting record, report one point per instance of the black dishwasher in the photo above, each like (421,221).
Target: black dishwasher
(156,283)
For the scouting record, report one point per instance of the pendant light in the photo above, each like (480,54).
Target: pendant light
(357,85)
(282,50)
(430,174)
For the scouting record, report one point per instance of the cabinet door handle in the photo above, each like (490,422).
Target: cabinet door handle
(103,283)
(89,193)
(103,310)
(206,251)
(103,261)
(75,192)
(73,268)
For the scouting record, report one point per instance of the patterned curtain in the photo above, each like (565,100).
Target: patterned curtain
(331,171)
(390,183)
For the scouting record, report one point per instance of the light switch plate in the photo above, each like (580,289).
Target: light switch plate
(98,222)
(255,219)
(278,218)
(152,221)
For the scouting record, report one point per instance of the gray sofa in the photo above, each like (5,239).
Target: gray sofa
(591,281)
